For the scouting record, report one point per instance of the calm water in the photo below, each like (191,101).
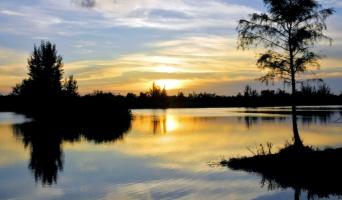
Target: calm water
(164,154)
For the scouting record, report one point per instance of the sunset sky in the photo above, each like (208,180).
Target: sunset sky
(124,45)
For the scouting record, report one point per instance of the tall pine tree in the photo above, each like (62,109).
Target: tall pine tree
(45,73)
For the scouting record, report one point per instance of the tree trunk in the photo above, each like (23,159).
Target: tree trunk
(293,87)
(296,138)
(293,78)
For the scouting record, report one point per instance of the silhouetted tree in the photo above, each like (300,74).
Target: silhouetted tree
(323,90)
(131,95)
(249,92)
(142,95)
(100,94)
(163,93)
(70,87)
(180,95)
(45,73)
(307,90)
(157,96)
(154,91)
(289,29)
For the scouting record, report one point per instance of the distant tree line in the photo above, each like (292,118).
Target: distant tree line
(155,97)
(308,95)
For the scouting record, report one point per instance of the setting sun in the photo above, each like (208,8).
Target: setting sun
(169,84)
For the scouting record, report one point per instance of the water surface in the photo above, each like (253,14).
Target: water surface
(161,154)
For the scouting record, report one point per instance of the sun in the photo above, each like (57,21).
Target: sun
(169,84)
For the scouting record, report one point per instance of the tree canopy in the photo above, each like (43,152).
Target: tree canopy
(288,30)
(45,68)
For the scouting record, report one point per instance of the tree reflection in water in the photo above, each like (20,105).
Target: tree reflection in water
(305,116)
(45,138)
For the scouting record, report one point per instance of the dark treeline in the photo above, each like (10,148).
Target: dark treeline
(94,107)
(254,99)
(318,94)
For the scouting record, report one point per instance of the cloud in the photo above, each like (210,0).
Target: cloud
(85,3)
(12,68)
(12,62)
(28,21)
(193,61)
(10,13)
(334,3)
(172,15)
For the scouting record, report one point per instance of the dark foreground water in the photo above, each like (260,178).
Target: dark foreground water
(163,154)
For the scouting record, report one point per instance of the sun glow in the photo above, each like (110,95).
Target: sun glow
(169,84)
(166,69)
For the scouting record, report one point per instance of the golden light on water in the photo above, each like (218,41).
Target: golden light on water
(169,84)
(171,123)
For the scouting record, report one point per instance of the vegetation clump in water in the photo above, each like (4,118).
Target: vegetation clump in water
(298,167)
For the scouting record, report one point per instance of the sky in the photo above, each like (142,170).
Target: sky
(124,46)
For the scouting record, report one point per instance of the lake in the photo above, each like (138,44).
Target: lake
(161,154)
